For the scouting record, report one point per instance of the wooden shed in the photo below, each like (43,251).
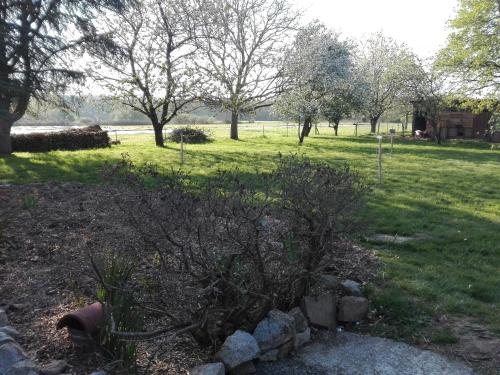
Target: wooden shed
(454,124)
(463,124)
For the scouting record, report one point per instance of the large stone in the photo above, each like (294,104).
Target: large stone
(299,320)
(275,330)
(321,310)
(329,282)
(209,369)
(302,338)
(352,309)
(269,356)
(286,349)
(9,330)
(55,367)
(4,319)
(25,367)
(352,288)
(247,368)
(238,348)
(4,338)
(10,354)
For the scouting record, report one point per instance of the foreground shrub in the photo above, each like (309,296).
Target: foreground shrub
(223,254)
(73,139)
(190,135)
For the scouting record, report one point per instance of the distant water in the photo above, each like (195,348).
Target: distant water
(28,129)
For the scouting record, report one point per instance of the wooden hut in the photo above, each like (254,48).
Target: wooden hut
(453,124)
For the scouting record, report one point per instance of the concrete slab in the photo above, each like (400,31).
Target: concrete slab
(352,354)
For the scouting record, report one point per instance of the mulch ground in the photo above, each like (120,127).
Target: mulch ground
(47,232)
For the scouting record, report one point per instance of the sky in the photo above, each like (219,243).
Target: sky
(421,24)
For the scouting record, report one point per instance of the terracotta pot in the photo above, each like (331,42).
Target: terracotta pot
(83,325)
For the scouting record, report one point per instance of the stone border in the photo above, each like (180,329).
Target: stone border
(281,334)
(13,359)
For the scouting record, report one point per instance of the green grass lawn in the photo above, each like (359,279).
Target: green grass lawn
(450,192)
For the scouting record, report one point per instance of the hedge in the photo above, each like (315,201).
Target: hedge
(73,139)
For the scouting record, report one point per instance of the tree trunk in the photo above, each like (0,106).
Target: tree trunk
(160,142)
(373,123)
(306,129)
(436,131)
(336,127)
(234,125)
(5,141)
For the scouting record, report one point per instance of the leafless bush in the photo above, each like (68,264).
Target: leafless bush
(223,253)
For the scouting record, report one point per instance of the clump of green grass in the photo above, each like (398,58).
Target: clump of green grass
(444,337)
(30,201)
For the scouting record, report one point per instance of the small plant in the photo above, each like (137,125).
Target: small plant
(190,135)
(30,202)
(122,315)
(444,337)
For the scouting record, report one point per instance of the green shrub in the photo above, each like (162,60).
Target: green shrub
(190,135)
(73,139)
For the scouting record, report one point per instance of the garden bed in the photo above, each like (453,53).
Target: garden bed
(47,233)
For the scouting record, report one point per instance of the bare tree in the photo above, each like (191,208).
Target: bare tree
(241,44)
(383,64)
(34,48)
(152,73)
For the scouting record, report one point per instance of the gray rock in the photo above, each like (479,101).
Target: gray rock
(99,373)
(321,311)
(4,319)
(5,338)
(329,281)
(395,239)
(9,330)
(209,369)
(55,367)
(247,368)
(352,354)
(10,354)
(352,309)
(238,348)
(285,350)
(25,367)
(300,321)
(275,330)
(302,338)
(352,288)
(269,356)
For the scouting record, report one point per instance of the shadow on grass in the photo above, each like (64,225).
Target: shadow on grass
(50,167)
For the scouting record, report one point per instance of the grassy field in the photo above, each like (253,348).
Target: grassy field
(451,193)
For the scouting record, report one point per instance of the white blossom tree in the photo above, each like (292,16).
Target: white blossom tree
(317,67)
(347,99)
(152,71)
(383,64)
(241,45)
